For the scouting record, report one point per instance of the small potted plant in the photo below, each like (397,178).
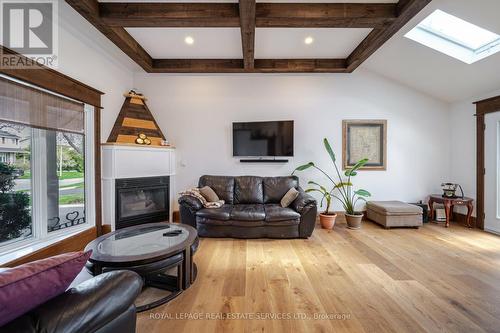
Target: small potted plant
(327,218)
(342,188)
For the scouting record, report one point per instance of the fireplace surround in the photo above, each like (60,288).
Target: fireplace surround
(137,184)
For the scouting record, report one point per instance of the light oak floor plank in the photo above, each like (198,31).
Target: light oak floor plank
(371,280)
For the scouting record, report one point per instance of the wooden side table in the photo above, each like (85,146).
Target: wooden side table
(448,206)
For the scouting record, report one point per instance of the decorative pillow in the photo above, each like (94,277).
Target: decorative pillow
(25,287)
(209,194)
(195,193)
(289,197)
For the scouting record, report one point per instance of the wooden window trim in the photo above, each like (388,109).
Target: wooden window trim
(73,243)
(50,79)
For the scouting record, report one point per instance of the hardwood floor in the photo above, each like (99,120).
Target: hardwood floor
(373,280)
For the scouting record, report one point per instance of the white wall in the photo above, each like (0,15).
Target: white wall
(86,55)
(463,154)
(195,112)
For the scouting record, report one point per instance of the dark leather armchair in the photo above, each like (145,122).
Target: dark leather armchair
(252,209)
(103,304)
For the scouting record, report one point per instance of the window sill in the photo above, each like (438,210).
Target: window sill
(31,247)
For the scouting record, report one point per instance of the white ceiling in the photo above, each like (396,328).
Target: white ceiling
(209,43)
(288,43)
(437,74)
(225,43)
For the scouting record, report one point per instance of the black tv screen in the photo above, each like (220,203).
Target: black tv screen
(263,138)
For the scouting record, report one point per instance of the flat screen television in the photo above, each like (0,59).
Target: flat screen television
(263,139)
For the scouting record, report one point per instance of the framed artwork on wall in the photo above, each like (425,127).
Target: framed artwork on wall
(364,139)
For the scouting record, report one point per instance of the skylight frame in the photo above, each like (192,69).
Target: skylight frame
(462,50)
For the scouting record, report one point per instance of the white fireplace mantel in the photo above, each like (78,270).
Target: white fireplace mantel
(133,161)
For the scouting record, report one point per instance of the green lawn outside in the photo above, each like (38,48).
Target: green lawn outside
(65,175)
(27,175)
(68,199)
(77,185)
(71,199)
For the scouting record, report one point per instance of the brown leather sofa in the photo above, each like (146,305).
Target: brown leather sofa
(252,209)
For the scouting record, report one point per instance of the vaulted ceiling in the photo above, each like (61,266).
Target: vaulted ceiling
(437,74)
(249,36)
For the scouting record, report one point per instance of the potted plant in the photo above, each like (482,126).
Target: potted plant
(327,218)
(342,188)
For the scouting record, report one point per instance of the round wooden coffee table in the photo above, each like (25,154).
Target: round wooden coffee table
(152,250)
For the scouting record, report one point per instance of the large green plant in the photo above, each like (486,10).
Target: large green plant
(15,216)
(342,187)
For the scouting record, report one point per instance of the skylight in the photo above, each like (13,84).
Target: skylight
(455,37)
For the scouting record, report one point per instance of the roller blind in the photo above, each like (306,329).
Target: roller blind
(23,104)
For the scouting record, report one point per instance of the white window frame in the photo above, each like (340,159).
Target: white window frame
(451,46)
(40,237)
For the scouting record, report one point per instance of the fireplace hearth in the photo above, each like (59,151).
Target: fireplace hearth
(141,200)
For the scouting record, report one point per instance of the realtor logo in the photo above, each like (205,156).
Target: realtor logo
(30,28)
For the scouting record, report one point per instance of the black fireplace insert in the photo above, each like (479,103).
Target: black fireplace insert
(141,200)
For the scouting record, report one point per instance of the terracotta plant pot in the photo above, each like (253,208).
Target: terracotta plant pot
(354,221)
(327,220)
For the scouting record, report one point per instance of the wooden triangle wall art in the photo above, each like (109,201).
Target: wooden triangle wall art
(135,121)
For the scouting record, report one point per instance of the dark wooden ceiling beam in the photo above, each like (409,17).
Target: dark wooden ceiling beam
(89,9)
(406,10)
(300,65)
(325,15)
(247,27)
(260,66)
(170,14)
(268,15)
(197,66)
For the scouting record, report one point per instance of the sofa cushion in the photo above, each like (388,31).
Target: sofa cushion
(209,194)
(208,221)
(248,190)
(248,223)
(276,187)
(282,223)
(222,213)
(25,287)
(275,212)
(223,186)
(253,212)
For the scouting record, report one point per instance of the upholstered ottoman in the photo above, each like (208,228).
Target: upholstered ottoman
(394,214)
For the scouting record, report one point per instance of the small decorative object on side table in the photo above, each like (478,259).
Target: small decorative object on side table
(448,203)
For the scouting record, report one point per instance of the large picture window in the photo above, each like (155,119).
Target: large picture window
(46,178)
